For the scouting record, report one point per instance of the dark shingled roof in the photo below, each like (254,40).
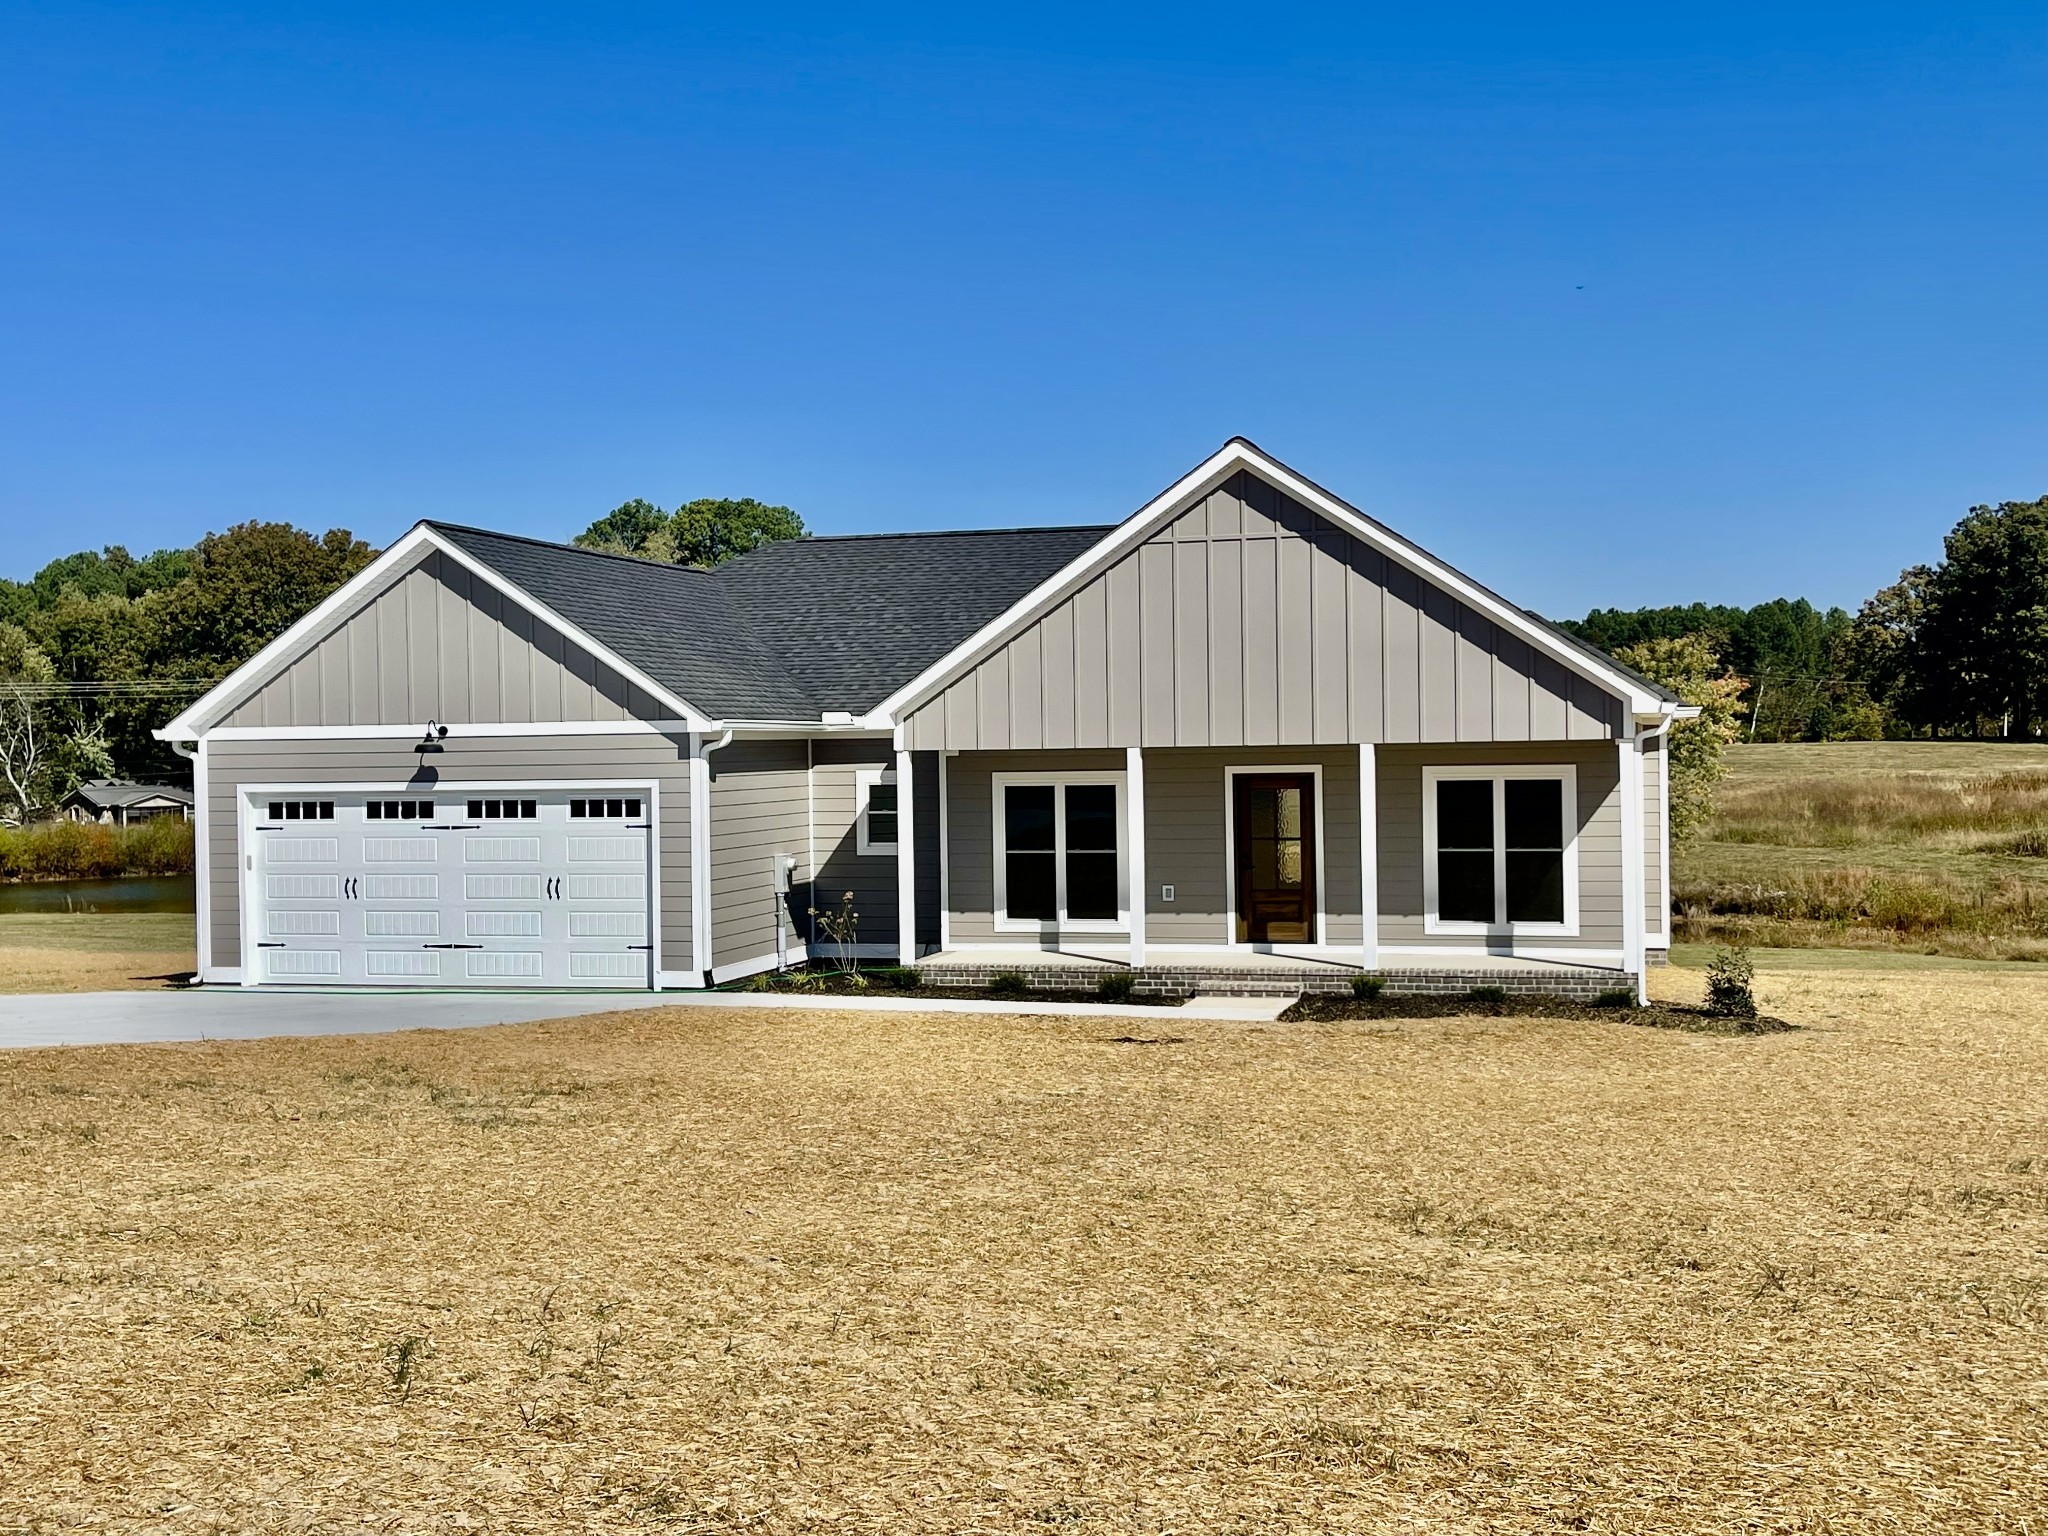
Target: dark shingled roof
(795,628)
(856,618)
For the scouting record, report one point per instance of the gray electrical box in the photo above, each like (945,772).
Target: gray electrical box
(785,872)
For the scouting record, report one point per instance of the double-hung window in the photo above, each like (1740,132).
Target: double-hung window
(875,828)
(1059,850)
(1500,850)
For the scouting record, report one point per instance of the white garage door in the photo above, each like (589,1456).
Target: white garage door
(452,888)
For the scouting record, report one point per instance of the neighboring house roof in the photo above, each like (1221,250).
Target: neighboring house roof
(794,628)
(121,794)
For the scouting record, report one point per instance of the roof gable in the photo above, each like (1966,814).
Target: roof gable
(1249,619)
(1241,456)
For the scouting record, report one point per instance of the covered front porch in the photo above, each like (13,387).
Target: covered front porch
(1222,970)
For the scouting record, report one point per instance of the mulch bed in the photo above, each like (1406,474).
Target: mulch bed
(883,983)
(1322,1008)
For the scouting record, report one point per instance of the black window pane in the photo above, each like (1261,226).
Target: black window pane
(1091,816)
(1464,813)
(529,809)
(615,807)
(1091,885)
(1535,887)
(1030,880)
(277,810)
(1464,887)
(1535,813)
(881,826)
(476,810)
(375,811)
(426,810)
(1027,817)
(327,810)
(632,807)
(881,797)
(291,810)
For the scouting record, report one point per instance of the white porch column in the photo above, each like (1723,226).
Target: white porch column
(906,864)
(1134,838)
(1630,756)
(1369,855)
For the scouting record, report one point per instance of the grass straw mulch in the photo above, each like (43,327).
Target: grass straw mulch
(703,1271)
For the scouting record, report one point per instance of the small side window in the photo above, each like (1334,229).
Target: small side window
(877,812)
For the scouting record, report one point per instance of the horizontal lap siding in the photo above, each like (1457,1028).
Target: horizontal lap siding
(1598,771)
(835,845)
(463,760)
(1186,842)
(441,644)
(1252,621)
(760,806)
(1656,901)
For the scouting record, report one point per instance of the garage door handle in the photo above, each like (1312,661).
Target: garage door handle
(451,946)
(270,946)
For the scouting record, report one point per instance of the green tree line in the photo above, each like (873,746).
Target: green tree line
(99,649)
(1956,649)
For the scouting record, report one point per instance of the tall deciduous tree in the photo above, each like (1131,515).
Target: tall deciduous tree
(1979,650)
(245,587)
(1691,668)
(703,533)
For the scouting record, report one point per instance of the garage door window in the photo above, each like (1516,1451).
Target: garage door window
(503,810)
(399,810)
(628,808)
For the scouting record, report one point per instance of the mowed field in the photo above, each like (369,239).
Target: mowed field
(94,952)
(704,1271)
(1934,847)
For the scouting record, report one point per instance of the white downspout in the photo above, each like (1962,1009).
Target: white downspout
(700,850)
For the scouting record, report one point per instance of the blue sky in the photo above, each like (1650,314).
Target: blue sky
(1607,305)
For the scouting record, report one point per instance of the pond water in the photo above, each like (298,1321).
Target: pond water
(154,893)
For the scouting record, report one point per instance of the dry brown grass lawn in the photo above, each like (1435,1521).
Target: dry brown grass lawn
(711,1271)
(93,952)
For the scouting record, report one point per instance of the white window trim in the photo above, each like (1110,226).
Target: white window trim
(1500,773)
(1004,923)
(1230,776)
(865,780)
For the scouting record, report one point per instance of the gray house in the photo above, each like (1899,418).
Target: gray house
(123,802)
(1246,738)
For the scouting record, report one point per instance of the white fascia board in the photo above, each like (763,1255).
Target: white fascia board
(355,593)
(1235,455)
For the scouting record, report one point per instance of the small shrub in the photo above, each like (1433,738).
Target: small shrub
(1487,995)
(1366,988)
(1729,975)
(905,978)
(1615,997)
(1117,987)
(1008,984)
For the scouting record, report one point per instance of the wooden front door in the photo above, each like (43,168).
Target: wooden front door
(1275,817)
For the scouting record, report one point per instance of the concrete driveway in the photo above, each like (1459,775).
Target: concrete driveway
(230,1013)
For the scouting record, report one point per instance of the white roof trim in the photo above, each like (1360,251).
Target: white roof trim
(355,594)
(1235,455)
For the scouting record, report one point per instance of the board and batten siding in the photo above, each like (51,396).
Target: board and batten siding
(439,643)
(1597,768)
(661,759)
(1251,620)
